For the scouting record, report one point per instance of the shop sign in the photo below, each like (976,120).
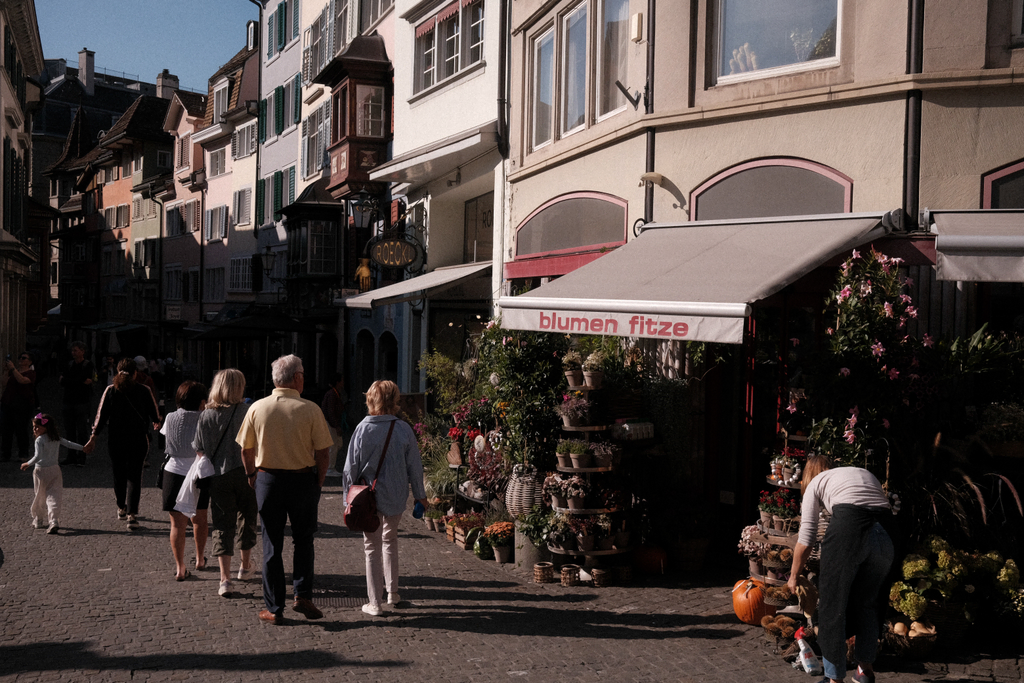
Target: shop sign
(675,327)
(172,312)
(394,252)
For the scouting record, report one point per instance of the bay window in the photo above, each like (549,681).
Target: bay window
(369,110)
(757,39)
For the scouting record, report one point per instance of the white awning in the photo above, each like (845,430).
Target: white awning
(429,284)
(690,281)
(979,246)
(444,156)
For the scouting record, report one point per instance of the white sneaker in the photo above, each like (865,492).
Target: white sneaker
(245,573)
(225,589)
(333,473)
(37,524)
(53,528)
(394,599)
(133,523)
(373,610)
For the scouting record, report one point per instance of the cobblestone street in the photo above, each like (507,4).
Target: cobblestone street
(99,603)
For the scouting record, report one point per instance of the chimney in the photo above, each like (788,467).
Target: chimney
(86,70)
(166,84)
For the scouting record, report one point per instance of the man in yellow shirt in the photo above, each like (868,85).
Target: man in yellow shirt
(285,442)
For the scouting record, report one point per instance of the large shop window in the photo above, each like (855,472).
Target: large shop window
(1004,188)
(588,42)
(758,39)
(449,42)
(772,187)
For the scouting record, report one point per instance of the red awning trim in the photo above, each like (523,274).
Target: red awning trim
(448,11)
(426,27)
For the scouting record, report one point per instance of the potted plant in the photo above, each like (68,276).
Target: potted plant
(435,517)
(1002,429)
(622,536)
(572,365)
(605,539)
(574,408)
(561,536)
(576,490)
(464,524)
(579,453)
(593,369)
(554,489)
(501,535)
(562,453)
(585,528)
(603,453)
(767,508)
(753,550)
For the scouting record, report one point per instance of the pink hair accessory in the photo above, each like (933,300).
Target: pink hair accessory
(42,420)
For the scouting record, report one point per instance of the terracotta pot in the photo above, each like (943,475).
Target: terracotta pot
(429,523)
(766,519)
(594,378)
(577,502)
(571,421)
(621,540)
(574,377)
(503,554)
(581,459)
(585,542)
(558,501)
(605,543)
(602,460)
(754,565)
(563,459)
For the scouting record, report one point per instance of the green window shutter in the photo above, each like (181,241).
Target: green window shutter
(278,193)
(279,109)
(262,124)
(297,93)
(271,35)
(282,24)
(295,18)
(291,184)
(260,199)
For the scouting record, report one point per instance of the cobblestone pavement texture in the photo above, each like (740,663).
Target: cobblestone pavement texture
(98,603)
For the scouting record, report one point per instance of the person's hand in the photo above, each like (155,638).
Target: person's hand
(90,445)
(24,466)
(8,365)
(424,502)
(791,584)
(156,426)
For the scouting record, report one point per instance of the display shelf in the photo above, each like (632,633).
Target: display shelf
(479,501)
(588,553)
(584,470)
(774,482)
(587,511)
(771,539)
(582,387)
(587,428)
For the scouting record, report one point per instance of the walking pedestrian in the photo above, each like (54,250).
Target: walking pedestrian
(856,553)
(333,405)
(47,481)
(129,409)
(17,404)
(232,500)
(77,380)
(179,430)
(284,440)
(382,435)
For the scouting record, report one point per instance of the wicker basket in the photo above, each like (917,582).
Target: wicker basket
(543,572)
(570,574)
(524,490)
(908,648)
(949,620)
(602,577)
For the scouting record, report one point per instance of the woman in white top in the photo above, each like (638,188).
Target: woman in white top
(180,429)
(856,554)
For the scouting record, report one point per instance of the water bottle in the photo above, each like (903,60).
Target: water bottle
(417,510)
(808,660)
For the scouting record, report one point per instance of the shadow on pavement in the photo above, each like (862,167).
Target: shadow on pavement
(76,656)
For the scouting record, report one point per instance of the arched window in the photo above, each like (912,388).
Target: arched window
(772,187)
(1003,188)
(567,232)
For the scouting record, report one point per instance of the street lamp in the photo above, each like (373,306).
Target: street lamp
(269,258)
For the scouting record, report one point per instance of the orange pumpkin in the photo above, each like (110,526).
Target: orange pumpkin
(748,602)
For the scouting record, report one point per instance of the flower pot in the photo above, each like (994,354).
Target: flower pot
(571,421)
(779,523)
(563,459)
(577,502)
(558,501)
(605,543)
(766,519)
(585,542)
(574,377)
(429,523)
(755,566)
(621,540)
(787,472)
(503,554)
(580,460)
(602,460)
(593,378)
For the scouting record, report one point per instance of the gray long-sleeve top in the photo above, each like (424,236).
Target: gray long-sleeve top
(403,465)
(838,486)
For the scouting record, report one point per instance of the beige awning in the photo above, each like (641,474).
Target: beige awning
(979,246)
(427,285)
(690,281)
(427,163)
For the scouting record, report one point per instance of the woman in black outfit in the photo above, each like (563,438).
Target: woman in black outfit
(129,408)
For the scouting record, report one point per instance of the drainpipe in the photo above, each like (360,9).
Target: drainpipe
(649,109)
(259,94)
(503,141)
(912,141)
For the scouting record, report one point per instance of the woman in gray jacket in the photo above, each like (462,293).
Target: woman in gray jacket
(402,467)
(232,500)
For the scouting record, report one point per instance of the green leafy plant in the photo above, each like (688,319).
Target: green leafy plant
(595,361)
(578,446)
(451,383)
(572,360)
(536,525)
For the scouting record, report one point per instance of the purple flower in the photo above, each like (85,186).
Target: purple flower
(894,373)
(888,309)
(927,340)
(885,423)
(850,436)
(856,254)
(791,408)
(877,349)
(909,282)
(911,311)
(845,372)
(794,341)
(844,294)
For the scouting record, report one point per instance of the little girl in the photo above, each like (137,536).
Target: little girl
(46,477)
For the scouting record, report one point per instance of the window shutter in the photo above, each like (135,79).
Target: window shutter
(282,21)
(279,109)
(259,202)
(278,193)
(302,147)
(297,94)
(262,123)
(291,185)
(208,230)
(271,35)
(295,18)
(223,222)
(197,214)
(234,144)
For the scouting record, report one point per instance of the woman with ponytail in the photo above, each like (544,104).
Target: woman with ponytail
(129,408)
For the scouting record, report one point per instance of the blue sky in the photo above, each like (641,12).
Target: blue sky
(190,38)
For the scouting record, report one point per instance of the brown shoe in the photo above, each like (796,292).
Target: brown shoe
(306,607)
(269,617)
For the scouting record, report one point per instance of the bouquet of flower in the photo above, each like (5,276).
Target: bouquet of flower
(500,534)
(553,485)
(582,525)
(467,521)
(576,487)
(595,361)
(574,406)
(572,360)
